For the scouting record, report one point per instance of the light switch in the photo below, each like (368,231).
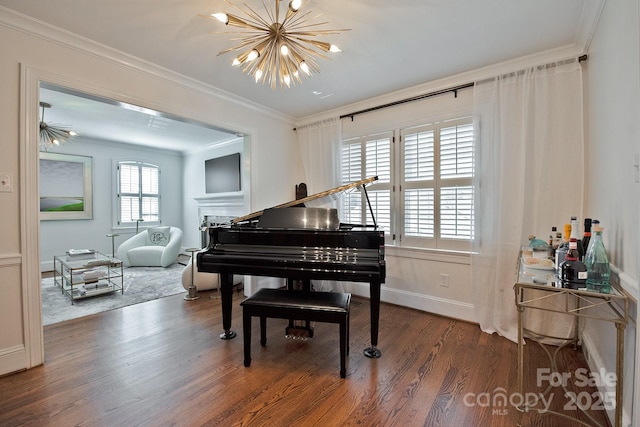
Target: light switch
(6,183)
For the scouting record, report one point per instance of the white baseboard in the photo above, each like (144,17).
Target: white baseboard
(595,362)
(46,266)
(13,359)
(428,303)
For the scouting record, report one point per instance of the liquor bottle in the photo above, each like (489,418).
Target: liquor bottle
(563,247)
(587,234)
(575,233)
(567,233)
(573,272)
(597,263)
(554,242)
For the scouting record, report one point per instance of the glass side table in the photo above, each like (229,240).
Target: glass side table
(83,277)
(537,290)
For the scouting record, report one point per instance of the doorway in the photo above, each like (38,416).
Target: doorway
(31,82)
(109,132)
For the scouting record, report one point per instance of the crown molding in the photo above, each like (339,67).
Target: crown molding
(67,39)
(588,23)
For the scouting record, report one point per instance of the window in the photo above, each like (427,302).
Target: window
(363,158)
(138,192)
(424,193)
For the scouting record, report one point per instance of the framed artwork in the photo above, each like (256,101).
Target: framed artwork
(65,186)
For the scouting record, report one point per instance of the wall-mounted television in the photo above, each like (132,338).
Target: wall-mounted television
(222,174)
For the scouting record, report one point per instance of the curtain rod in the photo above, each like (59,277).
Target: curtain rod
(314,123)
(426,95)
(413,98)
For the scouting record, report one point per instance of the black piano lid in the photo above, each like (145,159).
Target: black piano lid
(300,218)
(343,188)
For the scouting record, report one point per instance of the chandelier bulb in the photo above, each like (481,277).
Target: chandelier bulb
(284,50)
(253,55)
(304,67)
(334,48)
(287,80)
(222,17)
(294,5)
(258,75)
(236,62)
(72,133)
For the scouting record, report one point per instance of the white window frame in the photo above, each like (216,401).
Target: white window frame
(398,185)
(437,183)
(149,219)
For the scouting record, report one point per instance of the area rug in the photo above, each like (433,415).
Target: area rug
(140,284)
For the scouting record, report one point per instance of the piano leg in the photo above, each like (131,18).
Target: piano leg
(226,298)
(374,309)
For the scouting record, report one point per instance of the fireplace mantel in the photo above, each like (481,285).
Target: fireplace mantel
(221,199)
(225,204)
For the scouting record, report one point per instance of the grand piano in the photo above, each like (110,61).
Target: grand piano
(298,244)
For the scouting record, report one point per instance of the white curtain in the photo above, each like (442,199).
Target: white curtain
(529,177)
(320,150)
(320,147)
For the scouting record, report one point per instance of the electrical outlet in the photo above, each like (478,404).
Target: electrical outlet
(6,183)
(444,280)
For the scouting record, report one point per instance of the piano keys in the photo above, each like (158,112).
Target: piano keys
(297,243)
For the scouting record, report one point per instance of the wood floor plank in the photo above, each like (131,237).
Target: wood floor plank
(162,363)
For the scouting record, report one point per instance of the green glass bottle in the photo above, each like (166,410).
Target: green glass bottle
(597,263)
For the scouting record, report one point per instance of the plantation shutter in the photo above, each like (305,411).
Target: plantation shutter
(419,171)
(378,163)
(456,191)
(139,192)
(366,157)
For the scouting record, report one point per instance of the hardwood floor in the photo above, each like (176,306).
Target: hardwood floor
(161,363)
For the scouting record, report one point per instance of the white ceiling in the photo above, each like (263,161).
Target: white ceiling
(107,119)
(391,45)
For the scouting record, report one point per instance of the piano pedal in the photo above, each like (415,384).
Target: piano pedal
(298,333)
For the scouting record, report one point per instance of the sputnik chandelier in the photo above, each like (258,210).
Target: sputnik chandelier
(52,135)
(274,51)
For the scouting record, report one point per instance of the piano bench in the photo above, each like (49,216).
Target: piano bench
(327,307)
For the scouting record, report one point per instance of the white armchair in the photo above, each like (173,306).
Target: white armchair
(151,248)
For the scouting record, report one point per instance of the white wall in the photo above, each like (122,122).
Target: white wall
(613,191)
(194,188)
(613,88)
(60,235)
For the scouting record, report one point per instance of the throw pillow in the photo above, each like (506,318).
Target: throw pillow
(158,236)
